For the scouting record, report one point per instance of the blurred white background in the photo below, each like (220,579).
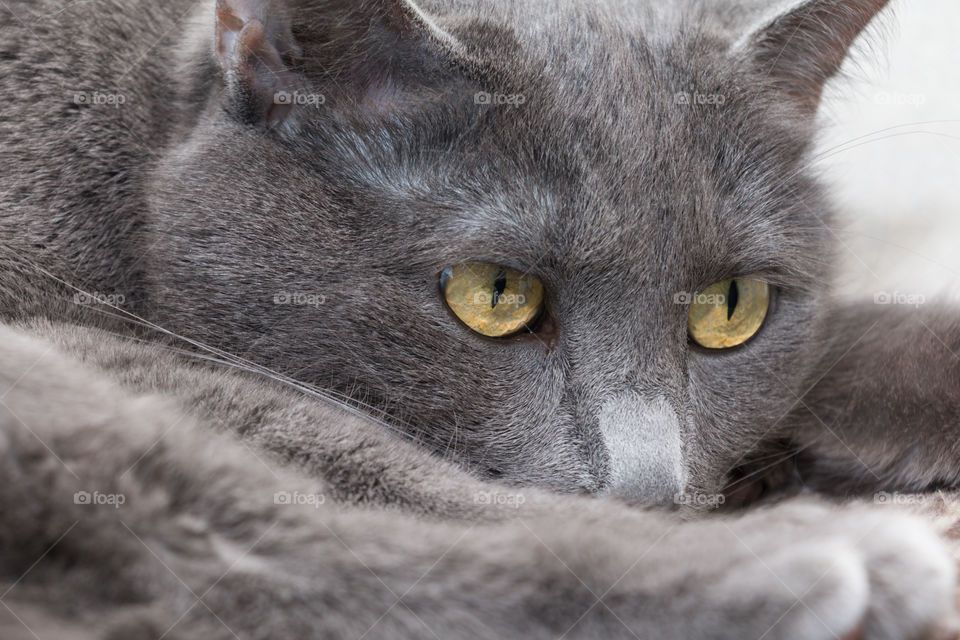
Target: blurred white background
(891,151)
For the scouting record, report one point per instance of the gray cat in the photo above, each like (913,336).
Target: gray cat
(444,275)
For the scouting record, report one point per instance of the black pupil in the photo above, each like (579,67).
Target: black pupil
(499,286)
(733,295)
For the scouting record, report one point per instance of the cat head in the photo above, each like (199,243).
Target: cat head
(354,165)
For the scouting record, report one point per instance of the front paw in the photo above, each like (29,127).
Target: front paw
(859,574)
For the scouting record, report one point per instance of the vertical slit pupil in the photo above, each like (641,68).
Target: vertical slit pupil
(733,296)
(499,286)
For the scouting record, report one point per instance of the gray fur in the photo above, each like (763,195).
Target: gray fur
(204,205)
(645,447)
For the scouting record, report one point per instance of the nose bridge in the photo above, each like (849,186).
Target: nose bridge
(630,361)
(644,443)
(628,335)
(629,381)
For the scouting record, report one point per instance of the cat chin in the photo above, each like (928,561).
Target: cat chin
(746,488)
(741,494)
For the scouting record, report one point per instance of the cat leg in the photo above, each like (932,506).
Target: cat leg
(882,411)
(104,517)
(358,459)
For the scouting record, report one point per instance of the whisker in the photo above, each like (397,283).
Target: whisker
(346,403)
(935,134)
(829,150)
(781,458)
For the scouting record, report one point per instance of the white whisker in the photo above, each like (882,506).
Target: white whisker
(346,403)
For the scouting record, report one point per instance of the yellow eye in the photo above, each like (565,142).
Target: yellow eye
(728,313)
(494,301)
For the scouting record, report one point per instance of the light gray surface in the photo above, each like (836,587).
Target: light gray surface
(897,175)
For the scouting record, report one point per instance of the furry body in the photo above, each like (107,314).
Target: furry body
(198,201)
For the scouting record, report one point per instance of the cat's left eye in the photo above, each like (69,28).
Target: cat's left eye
(728,313)
(493,300)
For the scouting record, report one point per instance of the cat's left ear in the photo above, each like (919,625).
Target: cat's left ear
(368,50)
(254,44)
(802,45)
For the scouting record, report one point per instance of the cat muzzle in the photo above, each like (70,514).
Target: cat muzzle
(645,449)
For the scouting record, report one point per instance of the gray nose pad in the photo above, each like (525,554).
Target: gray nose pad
(645,448)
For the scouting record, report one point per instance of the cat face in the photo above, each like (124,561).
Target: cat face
(620,172)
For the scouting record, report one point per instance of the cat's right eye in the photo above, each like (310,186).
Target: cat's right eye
(493,300)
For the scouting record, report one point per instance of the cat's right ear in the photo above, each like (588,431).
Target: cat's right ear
(803,44)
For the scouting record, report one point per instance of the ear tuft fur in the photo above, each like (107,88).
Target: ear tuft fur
(254,44)
(803,46)
(372,55)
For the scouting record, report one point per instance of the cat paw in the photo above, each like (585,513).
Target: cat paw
(912,578)
(859,575)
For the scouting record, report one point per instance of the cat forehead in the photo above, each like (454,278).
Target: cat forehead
(637,145)
(696,230)
(704,215)
(595,141)
(597,176)
(567,21)
(713,181)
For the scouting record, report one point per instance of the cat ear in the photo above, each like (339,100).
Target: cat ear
(380,57)
(254,45)
(364,39)
(802,47)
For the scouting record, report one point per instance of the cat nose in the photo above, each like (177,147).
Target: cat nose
(644,447)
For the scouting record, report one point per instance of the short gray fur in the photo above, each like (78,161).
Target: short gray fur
(474,481)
